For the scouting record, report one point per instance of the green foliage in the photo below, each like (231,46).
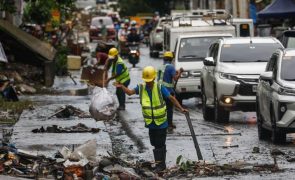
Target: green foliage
(16,107)
(39,11)
(61,60)
(7,6)
(184,165)
(132,7)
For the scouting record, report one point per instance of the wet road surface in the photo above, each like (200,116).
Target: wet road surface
(219,143)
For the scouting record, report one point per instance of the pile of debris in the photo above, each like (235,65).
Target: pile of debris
(202,168)
(81,163)
(68,111)
(24,77)
(79,128)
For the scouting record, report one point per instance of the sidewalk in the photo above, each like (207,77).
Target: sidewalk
(50,143)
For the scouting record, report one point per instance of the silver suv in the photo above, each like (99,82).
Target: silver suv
(230,75)
(276,97)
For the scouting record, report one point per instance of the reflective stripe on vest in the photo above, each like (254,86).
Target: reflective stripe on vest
(155,110)
(161,77)
(124,76)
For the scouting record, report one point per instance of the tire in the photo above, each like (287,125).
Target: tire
(277,137)
(220,115)
(262,132)
(208,113)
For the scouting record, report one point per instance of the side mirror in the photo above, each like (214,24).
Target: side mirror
(209,61)
(267,76)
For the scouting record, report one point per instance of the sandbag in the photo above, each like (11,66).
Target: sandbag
(103,104)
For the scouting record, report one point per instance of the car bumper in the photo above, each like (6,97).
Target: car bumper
(187,85)
(231,89)
(286,120)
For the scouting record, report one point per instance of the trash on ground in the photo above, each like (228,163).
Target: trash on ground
(79,128)
(103,104)
(68,111)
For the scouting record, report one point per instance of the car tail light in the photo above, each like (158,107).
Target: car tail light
(111,31)
(159,30)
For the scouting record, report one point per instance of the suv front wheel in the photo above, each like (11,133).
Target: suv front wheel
(208,113)
(277,137)
(221,115)
(262,132)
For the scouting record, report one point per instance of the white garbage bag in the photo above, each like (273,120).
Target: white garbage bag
(103,104)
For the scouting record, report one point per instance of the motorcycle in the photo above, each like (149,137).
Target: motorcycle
(133,55)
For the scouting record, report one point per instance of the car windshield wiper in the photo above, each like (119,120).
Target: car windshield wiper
(260,60)
(289,79)
(191,56)
(231,61)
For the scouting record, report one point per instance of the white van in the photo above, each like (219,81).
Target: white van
(190,51)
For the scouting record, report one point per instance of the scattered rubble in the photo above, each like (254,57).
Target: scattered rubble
(79,128)
(256,150)
(68,111)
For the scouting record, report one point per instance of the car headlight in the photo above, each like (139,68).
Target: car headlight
(286,91)
(184,74)
(228,76)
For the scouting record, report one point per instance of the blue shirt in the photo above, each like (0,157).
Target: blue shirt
(169,74)
(119,69)
(165,94)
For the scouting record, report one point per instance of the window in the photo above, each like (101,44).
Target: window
(250,52)
(244,30)
(287,68)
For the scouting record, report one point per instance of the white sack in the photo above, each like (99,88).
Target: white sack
(103,104)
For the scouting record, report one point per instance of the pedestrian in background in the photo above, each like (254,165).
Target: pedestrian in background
(103,30)
(121,74)
(167,75)
(154,112)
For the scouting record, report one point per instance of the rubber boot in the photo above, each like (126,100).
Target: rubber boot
(160,158)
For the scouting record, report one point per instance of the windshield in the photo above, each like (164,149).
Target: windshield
(287,68)
(106,21)
(194,49)
(258,52)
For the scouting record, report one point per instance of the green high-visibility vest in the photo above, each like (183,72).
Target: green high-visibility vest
(124,76)
(154,110)
(161,77)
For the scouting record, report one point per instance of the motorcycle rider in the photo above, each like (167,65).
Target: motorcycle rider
(133,36)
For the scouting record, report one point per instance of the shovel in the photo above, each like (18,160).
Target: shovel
(191,128)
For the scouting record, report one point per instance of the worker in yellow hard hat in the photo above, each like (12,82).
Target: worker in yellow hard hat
(167,76)
(120,73)
(152,99)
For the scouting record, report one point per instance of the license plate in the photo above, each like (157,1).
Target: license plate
(254,88)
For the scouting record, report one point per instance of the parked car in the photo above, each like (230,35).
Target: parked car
(190,50)
(157,38)
(230,75)
(276,97)
(95,28)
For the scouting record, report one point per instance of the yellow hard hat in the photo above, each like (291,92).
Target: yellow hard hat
(113,52)
(149,74)
(168,54)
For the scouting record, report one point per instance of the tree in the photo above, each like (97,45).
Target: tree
(7,6)
(39,11)
(132,7)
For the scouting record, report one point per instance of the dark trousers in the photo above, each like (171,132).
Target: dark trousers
(121,94)
(158,137)
(169,106)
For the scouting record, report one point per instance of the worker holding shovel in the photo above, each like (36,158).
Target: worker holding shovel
(154,112)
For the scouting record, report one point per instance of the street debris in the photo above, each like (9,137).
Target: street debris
(276,152)
(187,168)
(68,111)
(82,163)
(256,150)
(79,128)
(103,104)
